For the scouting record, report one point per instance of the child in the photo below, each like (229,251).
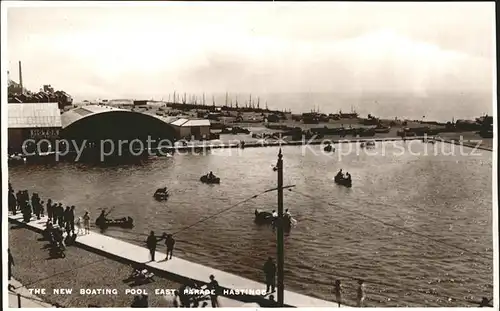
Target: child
(361,293)
(86,222)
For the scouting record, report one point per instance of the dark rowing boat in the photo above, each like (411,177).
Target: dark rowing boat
(329,148)
(125,222)
(207,180)
(343,181)
(266,218)
(161,194)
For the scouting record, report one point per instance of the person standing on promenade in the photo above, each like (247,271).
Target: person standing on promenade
(11,263)
(71,218)
(270,272)
(12,202)
(66,219)
(214,285)
(86,222)
(27,211)
(151,244)
(42,210)
(50,210)
(361,293)
(338,292)
(169,242)
(19,199)
(59,215)
(34,204)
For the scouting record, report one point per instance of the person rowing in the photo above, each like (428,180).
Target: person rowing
(101,220)
(340,174)
(287,214)
(162,190)
(211,175)
(348,176)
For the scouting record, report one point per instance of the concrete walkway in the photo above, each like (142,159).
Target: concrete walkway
(177,269)
(20,297)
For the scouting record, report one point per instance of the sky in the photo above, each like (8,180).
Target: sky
(124,51)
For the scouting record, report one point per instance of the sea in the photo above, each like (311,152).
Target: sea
(416,224)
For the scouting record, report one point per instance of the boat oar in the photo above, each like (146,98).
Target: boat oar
(110,210)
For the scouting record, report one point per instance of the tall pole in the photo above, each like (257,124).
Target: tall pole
(281,253)
(21,78)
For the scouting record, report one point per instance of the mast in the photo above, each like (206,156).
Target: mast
(250,101)
(203,99)
(226,99)
(184,99)
(258,102)
(21,78)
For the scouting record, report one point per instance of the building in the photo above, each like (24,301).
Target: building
(36,121)
(197,129)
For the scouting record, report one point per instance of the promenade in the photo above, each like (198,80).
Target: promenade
(176,268)
(20,297)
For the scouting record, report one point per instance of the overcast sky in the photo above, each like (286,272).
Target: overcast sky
(254,47)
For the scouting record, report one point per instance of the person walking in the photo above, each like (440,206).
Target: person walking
(86,222)
(270,272)
(361,293)
(169,242)
(151,244)
(214,286)
(338,292)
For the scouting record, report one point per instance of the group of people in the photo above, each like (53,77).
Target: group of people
(21,201)
(153,240)
(340,175)
(286,214)
(184,300)
(140,301)
(270,274)
(360,294)
(211,176)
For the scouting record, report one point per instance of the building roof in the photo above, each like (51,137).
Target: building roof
(33,115)
(200,122)
(76,114)
(179,122)
(166,119)
(183,122)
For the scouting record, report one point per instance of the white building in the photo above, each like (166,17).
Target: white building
(192,128)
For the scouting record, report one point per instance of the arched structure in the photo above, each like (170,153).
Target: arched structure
(96,124)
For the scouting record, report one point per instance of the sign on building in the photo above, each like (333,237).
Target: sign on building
(46,133)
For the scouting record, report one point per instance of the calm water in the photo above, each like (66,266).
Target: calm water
(446,197)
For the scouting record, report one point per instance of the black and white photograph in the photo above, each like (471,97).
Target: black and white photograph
(191,154)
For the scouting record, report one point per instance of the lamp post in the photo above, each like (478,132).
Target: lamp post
(280,239)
